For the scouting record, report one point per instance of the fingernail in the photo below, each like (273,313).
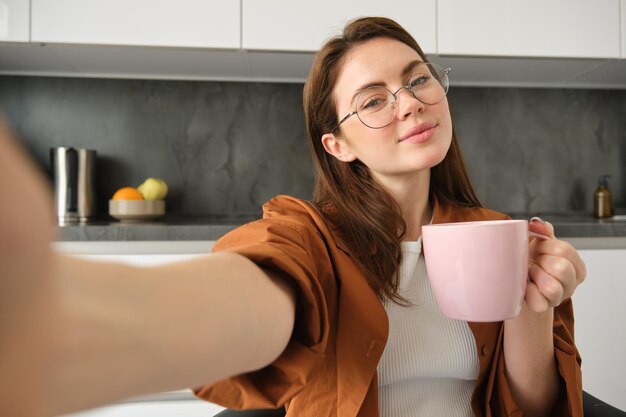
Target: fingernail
(538,219)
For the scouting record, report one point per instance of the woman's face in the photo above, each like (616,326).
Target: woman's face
(392,151)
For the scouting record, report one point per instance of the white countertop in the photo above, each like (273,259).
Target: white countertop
(198,247)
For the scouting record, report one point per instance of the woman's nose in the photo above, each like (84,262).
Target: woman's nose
(407,103)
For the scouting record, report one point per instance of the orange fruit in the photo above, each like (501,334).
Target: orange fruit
(127,193)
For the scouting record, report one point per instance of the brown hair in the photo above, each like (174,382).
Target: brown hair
(366,215)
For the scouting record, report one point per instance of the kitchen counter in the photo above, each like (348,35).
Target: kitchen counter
(575,227)
(584,231)
(580,225)
(167,229)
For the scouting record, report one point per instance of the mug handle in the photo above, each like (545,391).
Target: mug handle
(538,235)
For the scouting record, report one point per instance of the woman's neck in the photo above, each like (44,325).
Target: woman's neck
(419,214)
(411,194)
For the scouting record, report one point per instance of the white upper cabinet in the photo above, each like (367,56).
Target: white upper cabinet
(14,20)
(623,9)
(541,43)
(183,23)
(530,28)
(288,25)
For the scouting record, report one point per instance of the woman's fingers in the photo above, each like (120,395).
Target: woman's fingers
(555,271)
(554,289)
(535,299)
(564,250)
(556,268)
(542,227)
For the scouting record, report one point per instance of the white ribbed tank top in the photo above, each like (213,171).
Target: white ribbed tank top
(429,365)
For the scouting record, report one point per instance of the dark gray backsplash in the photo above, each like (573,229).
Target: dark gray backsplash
(225,148)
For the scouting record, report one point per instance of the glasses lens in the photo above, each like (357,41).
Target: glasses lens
(429,83)
(375,107)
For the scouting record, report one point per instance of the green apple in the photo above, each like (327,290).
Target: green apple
(153,189)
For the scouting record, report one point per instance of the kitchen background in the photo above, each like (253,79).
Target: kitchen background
(224,148)
(538,100)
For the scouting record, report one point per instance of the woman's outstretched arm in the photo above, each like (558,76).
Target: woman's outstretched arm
(27,304)
(76,334)
(129,330)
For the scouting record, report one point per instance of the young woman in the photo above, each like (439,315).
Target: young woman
(388,162)
(324,307)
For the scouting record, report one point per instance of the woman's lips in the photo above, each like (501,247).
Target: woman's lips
(420,133)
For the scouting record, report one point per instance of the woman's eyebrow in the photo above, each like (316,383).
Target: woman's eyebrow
(410,66)
(364,87)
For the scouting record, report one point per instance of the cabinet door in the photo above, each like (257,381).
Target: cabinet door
(540,28)
(623,20)
(184,23)
(289,25)
(14,20)
(600,317)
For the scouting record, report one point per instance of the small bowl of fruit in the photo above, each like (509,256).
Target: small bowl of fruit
(138,204)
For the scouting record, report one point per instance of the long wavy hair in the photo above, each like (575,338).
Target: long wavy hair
(367,216)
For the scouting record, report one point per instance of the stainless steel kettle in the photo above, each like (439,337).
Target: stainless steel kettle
(74,173)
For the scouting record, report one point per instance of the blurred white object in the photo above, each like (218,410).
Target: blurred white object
(168,404)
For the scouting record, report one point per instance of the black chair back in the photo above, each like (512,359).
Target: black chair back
(593,407)
(269,412)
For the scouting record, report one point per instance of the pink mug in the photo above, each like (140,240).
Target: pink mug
(478,270)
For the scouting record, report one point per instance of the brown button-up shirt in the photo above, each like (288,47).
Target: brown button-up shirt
(329,367)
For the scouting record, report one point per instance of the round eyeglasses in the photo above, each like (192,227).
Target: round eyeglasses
(376,106)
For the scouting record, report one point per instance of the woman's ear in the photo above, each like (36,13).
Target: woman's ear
(337,148)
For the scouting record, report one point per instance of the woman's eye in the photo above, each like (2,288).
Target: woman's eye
(373,103)
(418,80)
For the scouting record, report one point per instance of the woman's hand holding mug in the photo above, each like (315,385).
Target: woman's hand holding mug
(555,269)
